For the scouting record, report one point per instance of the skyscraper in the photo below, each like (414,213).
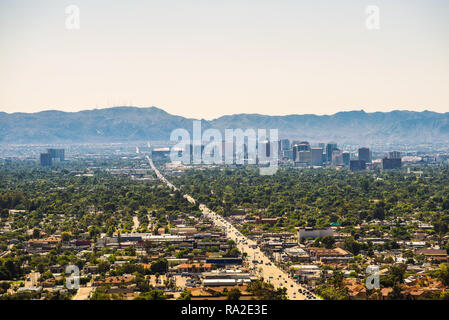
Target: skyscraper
(265,147)
(295,152)
(346,158)
(330,147)
(45,160)
(304,146)
(317,156)
(56,154)
(337,158)
(394,155)
(391,163)
(356,165)
(300,146)
(365,155)
(284,144)
(305,157)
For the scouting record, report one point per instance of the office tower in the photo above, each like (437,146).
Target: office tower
(284,145)
(356,165)
(295,152)
(346,158)
(337,158)
(365,154)
(303,146)
(305,157)
(317,156)
(56,154)
(265,146)
(394,155)
(287,154)
(45,159)
(393,163)
(330,147)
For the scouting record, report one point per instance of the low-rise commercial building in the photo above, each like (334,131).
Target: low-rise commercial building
(314,232)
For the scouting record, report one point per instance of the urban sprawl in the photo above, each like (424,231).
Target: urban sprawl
(122,221)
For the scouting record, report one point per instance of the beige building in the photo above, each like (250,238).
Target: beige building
(314,233)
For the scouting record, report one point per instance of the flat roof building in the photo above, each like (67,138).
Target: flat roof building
(57,154)
(314,232)
(365,155)
(357,165)
(45,160)
(317,156)
(346,158)
(388,163)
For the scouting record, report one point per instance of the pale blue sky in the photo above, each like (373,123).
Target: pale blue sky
(207,58)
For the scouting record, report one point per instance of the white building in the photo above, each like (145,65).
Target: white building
(314,233)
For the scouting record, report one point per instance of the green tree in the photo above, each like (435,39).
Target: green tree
(352,246)
(234,294)
(185,295)
(443,274)
(328,242)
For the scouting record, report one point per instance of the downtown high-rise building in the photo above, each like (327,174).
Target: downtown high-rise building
(394,155)
(391,163)
(346,158)
(365,155)
(284,144)
(56,154)
(304,146)
(337,158)
(295,152)
(330,147)
(46,160)
(265,148)
(52,155)
(357,165)
(317,156)
(305,157)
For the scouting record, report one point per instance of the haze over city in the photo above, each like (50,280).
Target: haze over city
(205,59)
(223,155)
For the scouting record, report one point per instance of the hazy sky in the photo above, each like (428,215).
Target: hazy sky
(206,58)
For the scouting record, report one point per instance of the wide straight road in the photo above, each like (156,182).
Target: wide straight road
(83,293)
(136,224)
(257,260)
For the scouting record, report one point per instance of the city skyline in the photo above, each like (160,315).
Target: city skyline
(205,60)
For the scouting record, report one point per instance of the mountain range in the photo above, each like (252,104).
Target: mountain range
(125,124)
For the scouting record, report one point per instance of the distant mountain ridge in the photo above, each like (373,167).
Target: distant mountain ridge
(122,124)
